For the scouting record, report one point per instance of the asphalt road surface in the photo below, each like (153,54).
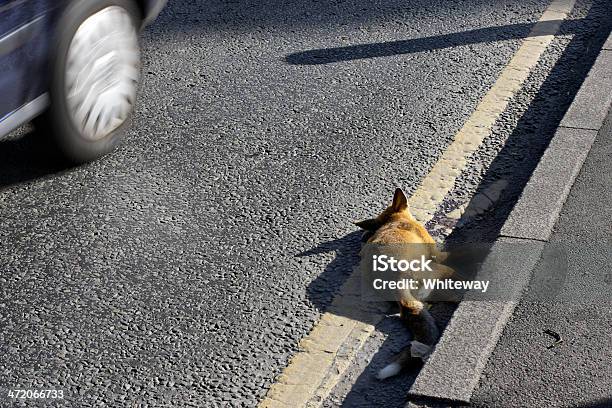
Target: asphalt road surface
(183,269)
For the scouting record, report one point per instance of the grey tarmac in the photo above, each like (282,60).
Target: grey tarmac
(183,269)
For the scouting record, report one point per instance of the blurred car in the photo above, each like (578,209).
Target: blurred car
(74,66)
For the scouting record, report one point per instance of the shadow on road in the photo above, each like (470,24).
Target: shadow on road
(28,156)
(325,293)
(390,48)
(322,290)
(514,164)
(602,403)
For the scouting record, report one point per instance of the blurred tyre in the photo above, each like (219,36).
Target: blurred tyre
(95,71)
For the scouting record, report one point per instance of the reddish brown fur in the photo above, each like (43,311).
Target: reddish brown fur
(395,225)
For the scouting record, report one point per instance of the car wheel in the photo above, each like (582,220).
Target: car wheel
(95,70)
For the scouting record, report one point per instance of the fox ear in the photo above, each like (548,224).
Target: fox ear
(368,225)
(400,202)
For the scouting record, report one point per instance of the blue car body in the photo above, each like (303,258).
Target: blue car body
(26,32)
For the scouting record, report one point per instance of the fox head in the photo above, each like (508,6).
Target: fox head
(398,210)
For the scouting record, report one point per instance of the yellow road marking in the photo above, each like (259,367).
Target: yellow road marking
(328,350)
(441,179)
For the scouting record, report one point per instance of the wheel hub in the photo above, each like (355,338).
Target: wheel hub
(102,73)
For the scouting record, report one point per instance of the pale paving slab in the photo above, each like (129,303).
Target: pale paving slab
(475,328)
(590,106)
(534,215)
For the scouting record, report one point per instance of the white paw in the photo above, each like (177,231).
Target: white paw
(389,371)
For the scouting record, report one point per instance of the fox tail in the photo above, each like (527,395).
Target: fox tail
(425,334)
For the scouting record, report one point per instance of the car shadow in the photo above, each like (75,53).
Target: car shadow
(28,154)
(513,165)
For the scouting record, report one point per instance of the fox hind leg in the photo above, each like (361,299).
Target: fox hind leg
(420,322)
(425,333)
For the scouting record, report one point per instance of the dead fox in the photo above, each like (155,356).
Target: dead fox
(396,233)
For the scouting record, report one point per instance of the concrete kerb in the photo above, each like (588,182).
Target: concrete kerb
(451,374)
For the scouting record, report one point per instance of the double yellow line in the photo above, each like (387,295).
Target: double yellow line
(327,351)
